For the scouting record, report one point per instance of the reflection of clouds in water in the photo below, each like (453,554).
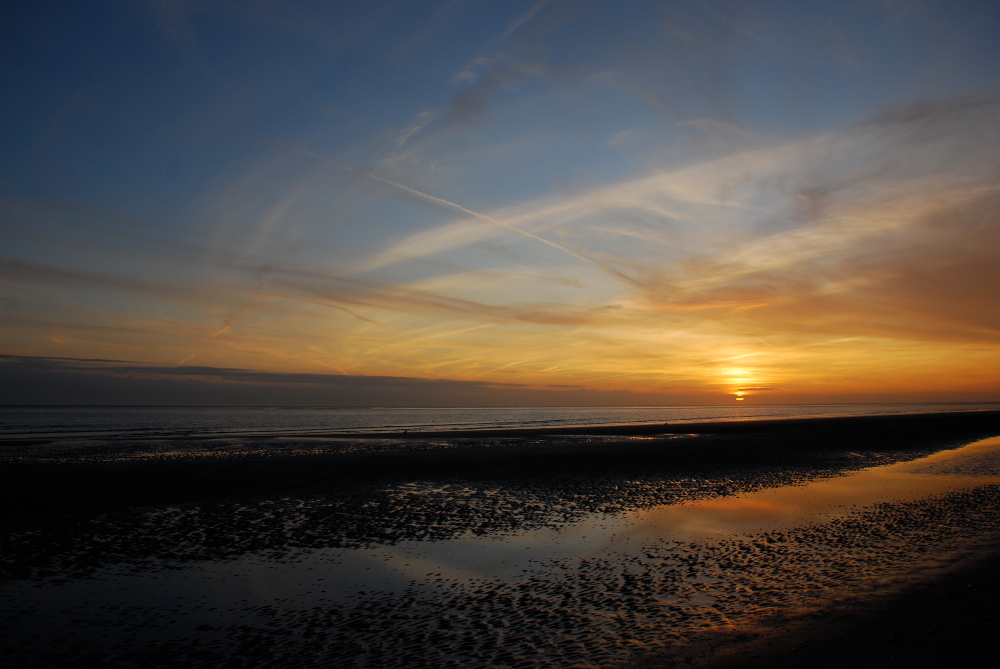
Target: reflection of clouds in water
(814,502)
(981,458)
(974,465)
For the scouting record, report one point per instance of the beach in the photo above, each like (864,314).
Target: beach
(940,618)
(719,543)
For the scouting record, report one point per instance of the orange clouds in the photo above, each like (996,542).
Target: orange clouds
(856,264)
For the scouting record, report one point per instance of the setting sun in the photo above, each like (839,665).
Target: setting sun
(505,226)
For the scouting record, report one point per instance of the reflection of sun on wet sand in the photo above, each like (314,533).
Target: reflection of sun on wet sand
(819,501)
(539,550)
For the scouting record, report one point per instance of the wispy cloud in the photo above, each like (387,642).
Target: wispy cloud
(418,124)
(49,380)
(733,269)
(672,196)
(506,225)
(486,55)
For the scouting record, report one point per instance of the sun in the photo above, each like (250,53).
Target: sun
(739,377)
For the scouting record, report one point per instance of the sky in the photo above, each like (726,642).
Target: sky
(519,202)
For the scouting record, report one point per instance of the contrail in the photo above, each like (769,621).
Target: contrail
(484,217)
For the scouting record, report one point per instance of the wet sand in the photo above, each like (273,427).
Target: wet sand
(942,617)
(123,473)
(949,620)
(554,549)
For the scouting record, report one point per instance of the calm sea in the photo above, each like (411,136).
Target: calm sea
(140,422)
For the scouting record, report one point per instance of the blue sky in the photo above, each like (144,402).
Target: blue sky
(611,196)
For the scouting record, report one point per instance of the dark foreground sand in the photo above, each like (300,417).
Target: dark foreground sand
(108,551)
(949,620)
(941,619)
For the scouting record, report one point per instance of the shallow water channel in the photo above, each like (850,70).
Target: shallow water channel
(590,589)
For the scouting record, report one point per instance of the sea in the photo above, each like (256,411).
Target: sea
(138,422)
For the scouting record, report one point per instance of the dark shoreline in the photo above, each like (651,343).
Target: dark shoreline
(36,486)
(909,421)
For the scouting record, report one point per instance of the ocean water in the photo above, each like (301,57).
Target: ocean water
(94,423)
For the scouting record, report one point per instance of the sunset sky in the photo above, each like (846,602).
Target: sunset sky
(649,202)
